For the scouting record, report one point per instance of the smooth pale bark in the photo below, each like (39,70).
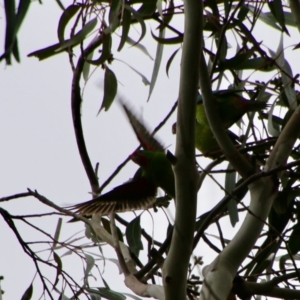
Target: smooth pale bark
(176,265)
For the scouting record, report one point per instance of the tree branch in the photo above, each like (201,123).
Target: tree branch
(176,265)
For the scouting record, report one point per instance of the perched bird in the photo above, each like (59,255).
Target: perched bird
(230,107)
(205,141)
(140,192)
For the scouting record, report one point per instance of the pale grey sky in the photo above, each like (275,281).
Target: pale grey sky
(38,148)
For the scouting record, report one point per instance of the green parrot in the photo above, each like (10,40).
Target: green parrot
(140,192)
(230,107)
(205,141)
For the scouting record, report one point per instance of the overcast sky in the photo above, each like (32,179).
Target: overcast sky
(38,147)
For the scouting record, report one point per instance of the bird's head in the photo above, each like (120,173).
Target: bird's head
(140,158)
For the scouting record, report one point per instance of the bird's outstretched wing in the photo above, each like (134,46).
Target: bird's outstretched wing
(133,195)
(147,140)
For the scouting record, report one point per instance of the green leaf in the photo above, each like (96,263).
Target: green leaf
(106,50)
(266,18)
(110,294)
(126,22)
(57,232)
(167,17)
(95,295)
(158,57)
(168,41)
(21,13)
(140,19)
(15,50)
(10,32)
(273,127)
(259,63)
(133,236)
(106,225)
(294,6)
(66,16)
(79,36)
(139,46)
(46,52)
(230,185)
(243,12)
(60,4)
(87,66)
(147,8)
(286,73)
(113,16)
(144,78)
(58,268)
(276,9)
(170,60)
(28,293)
(236,61)
(90,262)
(132,296)
(294,241)
(110,89)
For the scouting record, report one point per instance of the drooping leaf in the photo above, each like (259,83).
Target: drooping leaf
(95,296)
(46,52)
(147,8)
(170,61)
(58,268)
(168,41)
(113,16)
(158,57)
(236,61)
(60,4)
(139,46)
(167,17)
(294,6)
(140,19)
(106,50)
(106,225)
(57,232)
(126,22)
(144,78)
(273,127)
(133,236)
(79,36)
(10,32)
(66,16)
(110,89)
(28,293)
(259,63)
(110,294)
(266,18)
(243,12)
(286,73)
(87,66)
(90,262)
(276,9)
(132,296)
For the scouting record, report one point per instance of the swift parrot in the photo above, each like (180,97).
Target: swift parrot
(205,141)
(230,107)
(140,192)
